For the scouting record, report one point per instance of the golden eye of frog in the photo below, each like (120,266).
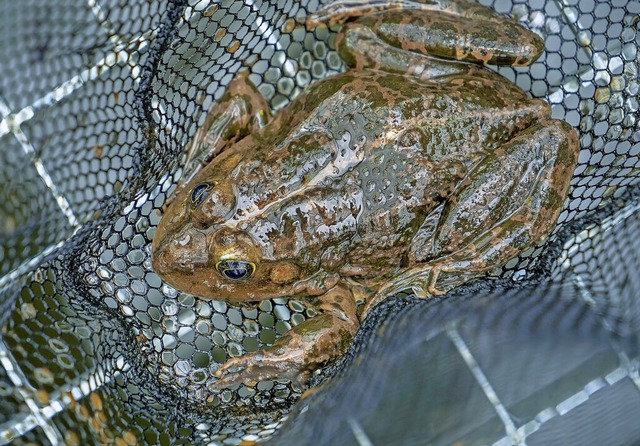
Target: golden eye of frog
(416,169)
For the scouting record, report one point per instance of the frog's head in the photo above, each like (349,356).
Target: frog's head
(200,248)
(238,231)
(222,263)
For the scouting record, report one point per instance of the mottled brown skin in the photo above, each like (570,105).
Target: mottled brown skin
(411,170)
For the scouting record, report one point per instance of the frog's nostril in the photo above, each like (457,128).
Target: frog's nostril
(184,251)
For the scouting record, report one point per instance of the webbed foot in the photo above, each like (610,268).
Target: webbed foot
(421,280)
(302,349)
(279,361)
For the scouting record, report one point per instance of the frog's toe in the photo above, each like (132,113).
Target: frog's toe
(424,284)
(433,279)
(426,291)
(245,369)
(420,292)
(255,367)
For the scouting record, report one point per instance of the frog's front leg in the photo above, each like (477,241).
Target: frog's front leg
(302,349)
(507,204)
(240,111)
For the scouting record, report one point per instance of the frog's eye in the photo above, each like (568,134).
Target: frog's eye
(199,193)
(235,269)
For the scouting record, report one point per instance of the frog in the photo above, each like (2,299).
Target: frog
(416,169)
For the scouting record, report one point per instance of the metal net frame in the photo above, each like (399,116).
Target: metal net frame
(98,100)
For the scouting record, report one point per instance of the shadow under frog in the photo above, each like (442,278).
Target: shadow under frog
(417,169)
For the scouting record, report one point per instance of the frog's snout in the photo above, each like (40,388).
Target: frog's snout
(185,252)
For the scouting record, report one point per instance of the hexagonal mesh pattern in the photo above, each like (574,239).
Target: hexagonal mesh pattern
(98,100)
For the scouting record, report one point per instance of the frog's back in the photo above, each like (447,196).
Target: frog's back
(419,139)
(380,152)
(446,120)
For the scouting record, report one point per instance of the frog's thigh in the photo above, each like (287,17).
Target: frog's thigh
(339,11)
(497,40)
(508,203)
(361,48)
(512,199)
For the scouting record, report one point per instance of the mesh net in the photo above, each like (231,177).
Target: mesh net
(98,100)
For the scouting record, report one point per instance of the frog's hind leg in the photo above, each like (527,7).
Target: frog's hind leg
(372,52)
(507,204)
(339,11)
(392,40)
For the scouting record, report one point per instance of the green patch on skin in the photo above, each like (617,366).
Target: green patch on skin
(315,325)
(346,339)
(319,92)
(553,200)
